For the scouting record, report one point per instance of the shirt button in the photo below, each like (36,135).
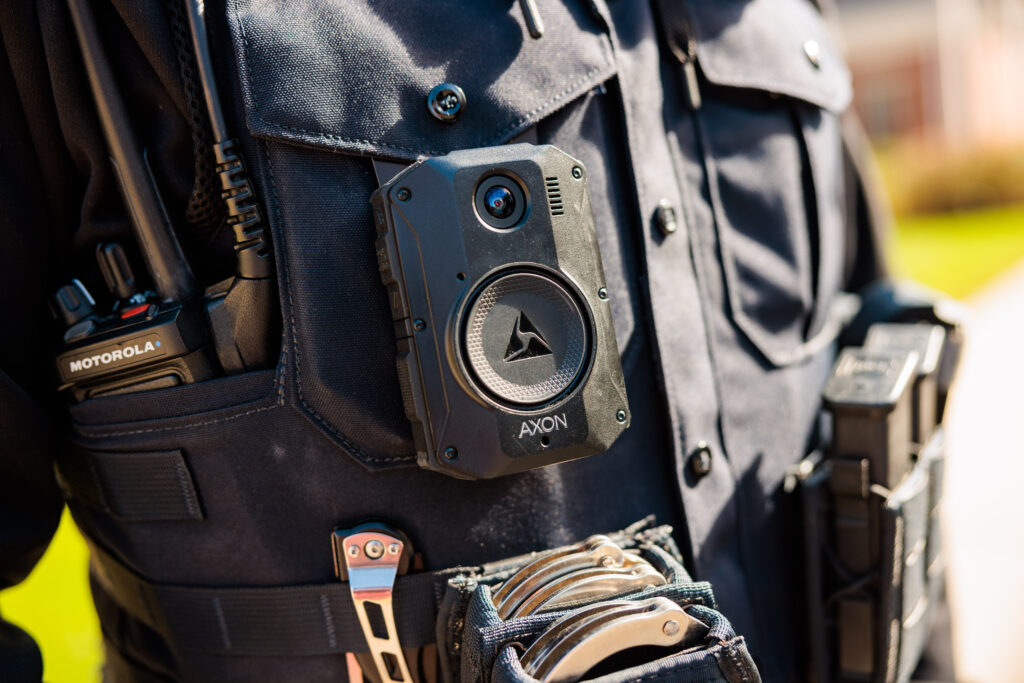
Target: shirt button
(813,52)
(665,218)
(700,460)
(446,102)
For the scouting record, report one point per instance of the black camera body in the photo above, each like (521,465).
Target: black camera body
(507,356)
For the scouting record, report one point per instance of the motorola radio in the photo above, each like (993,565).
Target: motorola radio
(506,353)
(176,333)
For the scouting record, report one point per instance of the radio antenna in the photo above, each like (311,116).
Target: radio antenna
(164,258)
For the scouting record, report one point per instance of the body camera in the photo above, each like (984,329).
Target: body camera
(506,353)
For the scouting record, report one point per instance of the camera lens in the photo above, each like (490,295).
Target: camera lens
(499,201)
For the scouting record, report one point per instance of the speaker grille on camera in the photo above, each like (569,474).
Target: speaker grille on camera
(554,196)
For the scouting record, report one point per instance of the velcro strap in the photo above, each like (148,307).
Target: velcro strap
(281,621)
(136,487)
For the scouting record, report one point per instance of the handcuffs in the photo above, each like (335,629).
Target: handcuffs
(575,643)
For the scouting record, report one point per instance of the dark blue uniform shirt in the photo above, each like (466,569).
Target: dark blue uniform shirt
(723,323)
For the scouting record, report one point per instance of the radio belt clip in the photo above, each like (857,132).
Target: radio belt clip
(369,557)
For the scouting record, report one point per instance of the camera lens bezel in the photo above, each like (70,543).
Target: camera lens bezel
(520,195)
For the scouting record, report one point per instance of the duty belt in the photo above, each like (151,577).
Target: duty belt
(299,620)
(313,619)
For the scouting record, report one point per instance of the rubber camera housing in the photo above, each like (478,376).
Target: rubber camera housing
(507,356)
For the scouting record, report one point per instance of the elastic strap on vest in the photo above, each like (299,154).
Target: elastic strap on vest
(282,621)
(135,487)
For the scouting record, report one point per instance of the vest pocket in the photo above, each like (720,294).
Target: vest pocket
(326,84)
(177,407)
(770,136)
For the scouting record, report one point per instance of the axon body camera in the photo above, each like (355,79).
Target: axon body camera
(506,353)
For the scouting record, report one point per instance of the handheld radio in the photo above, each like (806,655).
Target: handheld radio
(174,334)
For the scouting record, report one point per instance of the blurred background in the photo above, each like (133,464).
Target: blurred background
(940,89)
(939,86)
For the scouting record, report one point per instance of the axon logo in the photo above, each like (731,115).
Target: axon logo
(526,341)
(543,425)
(107,357)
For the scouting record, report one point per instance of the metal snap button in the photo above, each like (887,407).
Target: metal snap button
(665,217)
(446,102)
(813,51)
(700,460)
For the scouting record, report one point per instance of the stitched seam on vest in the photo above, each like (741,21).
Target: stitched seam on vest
(222,623)
(282,263)
(191,425)
(343,440)
(279,380)
(325,605)
(609,62)
(186,489)
(732,655)
(643,329)
(383,145)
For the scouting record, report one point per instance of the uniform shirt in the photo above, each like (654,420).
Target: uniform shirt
(722,316)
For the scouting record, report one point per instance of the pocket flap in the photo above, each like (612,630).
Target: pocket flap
(780,46)
(355,75)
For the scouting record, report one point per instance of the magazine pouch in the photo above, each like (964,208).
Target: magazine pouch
(874,624)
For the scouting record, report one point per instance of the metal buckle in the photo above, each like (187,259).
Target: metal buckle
(370,557)
(579,641)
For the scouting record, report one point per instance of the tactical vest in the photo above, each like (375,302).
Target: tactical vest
(717,175)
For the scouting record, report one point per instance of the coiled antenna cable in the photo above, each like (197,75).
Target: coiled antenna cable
(244,216)
(242,312)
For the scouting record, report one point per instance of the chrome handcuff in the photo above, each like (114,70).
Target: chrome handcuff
(595,569)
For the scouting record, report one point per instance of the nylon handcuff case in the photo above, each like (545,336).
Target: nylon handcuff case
(478,643)
(506,353)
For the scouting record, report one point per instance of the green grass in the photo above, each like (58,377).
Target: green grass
(959,253)
(956,253)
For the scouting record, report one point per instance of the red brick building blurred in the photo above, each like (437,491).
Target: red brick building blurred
(944,71)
